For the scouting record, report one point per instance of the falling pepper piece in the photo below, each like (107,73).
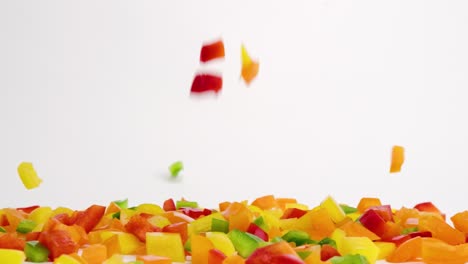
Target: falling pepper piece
(28,175)
(250,67)
(203,83)
(398,157)
(212,51)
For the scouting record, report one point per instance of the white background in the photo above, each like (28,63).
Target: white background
(96,95)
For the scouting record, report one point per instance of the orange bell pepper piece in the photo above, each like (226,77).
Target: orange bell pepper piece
(94,254)
(200,249)
(249,66)
(265,202)
(460,221)
(354,229)
(150,259)
(409,250)
(317,223)
(398,157)
(441,230)
(367,202)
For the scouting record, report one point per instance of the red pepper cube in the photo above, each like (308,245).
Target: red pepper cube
(373,221)
(203,83)
(212,51)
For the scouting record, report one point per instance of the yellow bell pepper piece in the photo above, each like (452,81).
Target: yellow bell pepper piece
(62,210)
(222,242)
(334,210)
(66,259)
(165,245)
(28,175)
(152,209)
(127,243)
(40,216)
(298,206)
(115,259)
(12,256)
(386,248)
(159,221)
(360,245)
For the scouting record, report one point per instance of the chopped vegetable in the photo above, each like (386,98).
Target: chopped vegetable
(123,204)
(203,83)
(249,66)
(265,231)
(398,157)
(176,168)
(26,226)
(212,51)
(28,175)
(36,252)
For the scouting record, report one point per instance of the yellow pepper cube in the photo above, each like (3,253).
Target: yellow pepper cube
(115,259)
(66,259)
(222,242)
(127,243)
(40,216)
(361,245)
(12,256)
(152,209)
(334,209)
(386,248)
(159,221)
(28,175)
(165,245)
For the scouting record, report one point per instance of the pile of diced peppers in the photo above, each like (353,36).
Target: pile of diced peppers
(267,230)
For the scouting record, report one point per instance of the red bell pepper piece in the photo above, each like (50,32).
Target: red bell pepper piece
(373,221)
(256,230)
(32,236)
(402,238)
(28,209)
(195,212)
(11,241)
(215,256)
(90,217)
(139,226)
(206,83)
(277,253)
(169,205)
(58,242)
(293,213)
(212,51)
(385,211)
(327,252)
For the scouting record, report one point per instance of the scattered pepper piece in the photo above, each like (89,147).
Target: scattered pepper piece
(250,67)
(398,157)
(211,51)
(28,175)
(205,82)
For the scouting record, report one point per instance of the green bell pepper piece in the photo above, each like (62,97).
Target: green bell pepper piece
(175,168)
(36,252)
(219,225)
(26,226)
(409,230)
(348,209)
(183,203)
(349,259)
(244,243)
(123,204)
(328,241)
(297,236)
(2,230)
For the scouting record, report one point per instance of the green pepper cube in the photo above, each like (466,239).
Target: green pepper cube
(349,259)
(175,168)
(25,226)
(116,215)
(328,241)
(219,225)
(244,243)
(304,254)
(409,230)
(2,230)
(36,252)
(260,222)
(184,203)
(297,236)
(348,209)
(123,204)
